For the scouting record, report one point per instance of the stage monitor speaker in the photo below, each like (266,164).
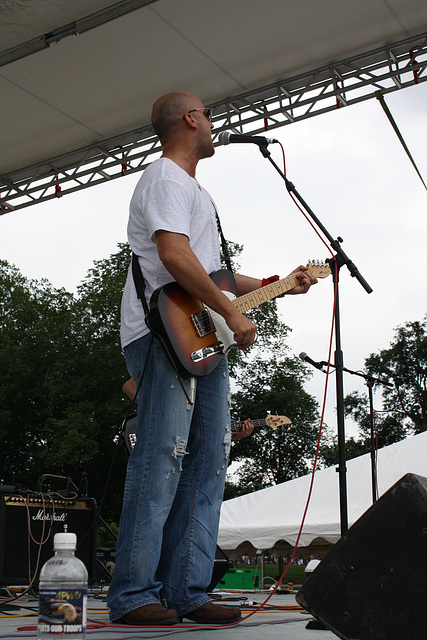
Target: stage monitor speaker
(28,524)
(372,585)
(221,566)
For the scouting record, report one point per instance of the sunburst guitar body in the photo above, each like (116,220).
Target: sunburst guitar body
(197,337)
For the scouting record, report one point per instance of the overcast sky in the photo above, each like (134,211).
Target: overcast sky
(352,171)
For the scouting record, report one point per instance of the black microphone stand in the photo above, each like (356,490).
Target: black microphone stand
(339,259)
(370,381)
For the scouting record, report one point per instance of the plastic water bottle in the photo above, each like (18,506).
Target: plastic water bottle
(63,592)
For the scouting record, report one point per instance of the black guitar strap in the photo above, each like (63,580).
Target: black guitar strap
(139,281)
(225,251)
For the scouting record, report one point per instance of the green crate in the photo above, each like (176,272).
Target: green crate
(240,579)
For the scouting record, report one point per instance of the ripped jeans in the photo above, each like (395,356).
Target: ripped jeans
(174,486)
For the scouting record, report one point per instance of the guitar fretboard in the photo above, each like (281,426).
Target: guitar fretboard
(257,297)
(237,426)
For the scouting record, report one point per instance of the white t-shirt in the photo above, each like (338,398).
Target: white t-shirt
(167,198)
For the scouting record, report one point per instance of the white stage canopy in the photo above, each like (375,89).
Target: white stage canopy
(78,78)
(267,517)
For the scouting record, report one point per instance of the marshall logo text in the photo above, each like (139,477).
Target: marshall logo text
(42,515)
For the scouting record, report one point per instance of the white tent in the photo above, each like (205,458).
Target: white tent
(268,517)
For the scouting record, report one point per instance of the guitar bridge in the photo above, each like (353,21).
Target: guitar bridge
(206,352)
(203,323)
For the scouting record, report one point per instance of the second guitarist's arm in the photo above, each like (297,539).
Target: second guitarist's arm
(177,256)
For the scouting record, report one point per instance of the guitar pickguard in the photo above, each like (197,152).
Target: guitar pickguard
(222,332)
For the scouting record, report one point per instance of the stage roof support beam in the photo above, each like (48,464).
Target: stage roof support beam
(71,29)
(338,85)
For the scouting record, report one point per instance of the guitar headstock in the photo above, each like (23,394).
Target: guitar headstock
(276,421)
(319,269)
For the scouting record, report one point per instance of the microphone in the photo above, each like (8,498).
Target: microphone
(318,365)
(225,137)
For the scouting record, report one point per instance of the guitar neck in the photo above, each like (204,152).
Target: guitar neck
(237,426)
(264,294)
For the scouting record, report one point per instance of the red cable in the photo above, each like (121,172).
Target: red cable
(413,62)
(321,418)
(302,210)
(323,408)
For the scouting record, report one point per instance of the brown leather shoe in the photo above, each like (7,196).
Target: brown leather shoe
(211,613)
(150,614)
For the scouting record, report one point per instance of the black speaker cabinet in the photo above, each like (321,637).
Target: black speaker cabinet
(28,525)
(373,584)
(221,566)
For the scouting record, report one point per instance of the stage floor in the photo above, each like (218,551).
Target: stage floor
(280,618)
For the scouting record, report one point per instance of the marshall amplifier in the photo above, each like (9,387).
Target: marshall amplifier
(27,527)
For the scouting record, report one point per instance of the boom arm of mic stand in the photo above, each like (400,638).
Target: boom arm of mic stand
(369,379)
(335,244)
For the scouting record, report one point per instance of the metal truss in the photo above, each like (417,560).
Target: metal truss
(289,100)
(71,29)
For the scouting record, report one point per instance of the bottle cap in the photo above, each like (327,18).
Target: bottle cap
(64,541)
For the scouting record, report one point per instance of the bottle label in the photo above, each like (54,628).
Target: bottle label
(62,611)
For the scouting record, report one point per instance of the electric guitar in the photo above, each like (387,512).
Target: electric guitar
(197,337)
(129,427)
(271,421)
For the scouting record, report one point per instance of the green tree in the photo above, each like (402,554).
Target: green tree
(99,299)
(37,327)
(328,452)
(100,295)
(62,372)
(269,380)
(403,366)
(61,376)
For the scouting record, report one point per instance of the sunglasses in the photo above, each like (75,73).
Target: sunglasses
(206,111)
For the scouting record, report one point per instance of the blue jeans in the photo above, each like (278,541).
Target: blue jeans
(174,486)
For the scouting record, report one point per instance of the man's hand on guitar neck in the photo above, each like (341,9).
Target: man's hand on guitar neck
(245,284)
(245,430)
(306,279)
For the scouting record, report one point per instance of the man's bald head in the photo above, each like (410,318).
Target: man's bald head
(168,111)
